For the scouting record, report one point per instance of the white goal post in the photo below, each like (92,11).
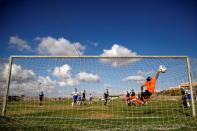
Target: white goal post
(186,58)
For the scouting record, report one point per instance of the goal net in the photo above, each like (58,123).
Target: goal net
(3,71)
(101,93)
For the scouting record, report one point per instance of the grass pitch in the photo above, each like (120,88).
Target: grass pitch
(156,115)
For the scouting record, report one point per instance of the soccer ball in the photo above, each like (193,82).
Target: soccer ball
(162,69)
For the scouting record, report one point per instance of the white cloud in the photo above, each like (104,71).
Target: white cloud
(118,51)
(46,82)
(88,77)
(140,76)
(62,72)
(69,82)
(33,87)
(72,82)
(61,46)
(18,73)
(19,43)
(24,81)
(61,83)
(134,78)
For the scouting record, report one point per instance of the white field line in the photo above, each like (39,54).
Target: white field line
(70,118)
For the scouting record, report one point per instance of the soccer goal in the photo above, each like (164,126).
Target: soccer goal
(95,92)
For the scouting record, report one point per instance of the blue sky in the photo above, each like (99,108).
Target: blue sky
(97,27)
(149,27)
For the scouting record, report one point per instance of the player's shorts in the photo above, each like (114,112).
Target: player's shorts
(41,98)
(184,98)
(83,99)
(189,97)
(90,98)
(75,98)
(146,94)
(79,98)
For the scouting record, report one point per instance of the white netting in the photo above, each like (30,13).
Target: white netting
(57,78)
(3,71)
(193,62)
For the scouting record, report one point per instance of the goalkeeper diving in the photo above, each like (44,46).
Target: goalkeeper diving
(150,84)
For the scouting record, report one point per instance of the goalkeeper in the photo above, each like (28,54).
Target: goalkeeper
(150,85)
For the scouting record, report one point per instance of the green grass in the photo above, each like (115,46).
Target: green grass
(60,115)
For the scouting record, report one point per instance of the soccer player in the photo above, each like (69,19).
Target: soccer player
(184,98)
(90,98)
(196,95)
(106,97)
(133,98)
(150,87)
(128,98)
(188,97)
(84,96)
(75,96)
(188,94)
(79,102)
(41,96)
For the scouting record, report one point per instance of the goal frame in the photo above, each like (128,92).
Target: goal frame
(187,58)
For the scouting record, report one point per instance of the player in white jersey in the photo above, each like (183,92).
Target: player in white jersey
(75,96)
